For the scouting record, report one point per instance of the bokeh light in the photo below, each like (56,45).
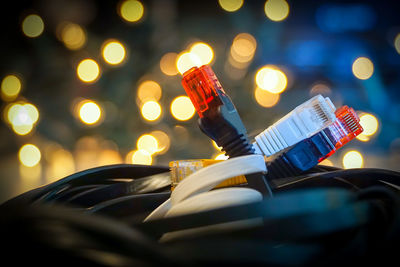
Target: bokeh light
(148,143)
(363,68)
(203,51)
(131,10)
(243,48)
(271,79)
(108,157)
(163,141)
(353,159)
(22,117)
(60,164)
(89,112)
(167,64)
(182,108)
(230,5)
(88,70)
(326,162)
(141,157)
(29,155)
(320,89)
(370,124)
(265,98)
(276,10)
(151,110)
(149,90)
(10,87)
(32,26)
(397,43)
(221,156)
(72,35)
(186,61)
(113,52)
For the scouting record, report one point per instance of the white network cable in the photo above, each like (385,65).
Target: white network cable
(193,193)
(304,121)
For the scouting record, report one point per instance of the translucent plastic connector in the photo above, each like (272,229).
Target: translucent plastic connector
(304,121)
(180,169)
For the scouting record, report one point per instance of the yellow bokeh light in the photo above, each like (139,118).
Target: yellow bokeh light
(29,155)
(149,90)
(151,110)
(370,124)
(216,146)
(60,164)
(363,68)
(326,162)
(271,79)
(182,108)
(10,87)
(108,157)
(22,117)
(167,64)
(89,112)
(186,61)
(88,70)
(131,10)
(32,26)
(243,48)
(72,35)
(230,5)
(221,156)
(113,52)
(148,143)
(141,157)
(265,98)
(163,141)
(203,51)
(353,159)
(276,10)
(397,43)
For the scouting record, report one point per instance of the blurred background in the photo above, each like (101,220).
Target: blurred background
(89,83)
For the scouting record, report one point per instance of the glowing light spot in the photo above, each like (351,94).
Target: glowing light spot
(182,108)
(151,110)
(32,26)
(326,162)
(109,156)
(89,112)
(29,155)
(88,70)
(10,87)
(243,48)
(363,68)
(163,141)
(370,125)
(131,10)
(203,51)
(141,157)
(216,146)
(353,159)
(320,89)
(148,143)
(397,43)
(60,164)
(265,98)
(72,35)
(230,5)
(271,79)
(276,10)
(149,90)
(186,61)
(167,64)
(22,117)
(221,156)
(113,52)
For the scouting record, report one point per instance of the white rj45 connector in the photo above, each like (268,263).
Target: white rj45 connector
(304,121)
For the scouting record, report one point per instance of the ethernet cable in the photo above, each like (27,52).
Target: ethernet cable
(308,153)
(304,121)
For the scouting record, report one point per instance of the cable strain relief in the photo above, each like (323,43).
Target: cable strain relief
(238,146)
(280,167)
